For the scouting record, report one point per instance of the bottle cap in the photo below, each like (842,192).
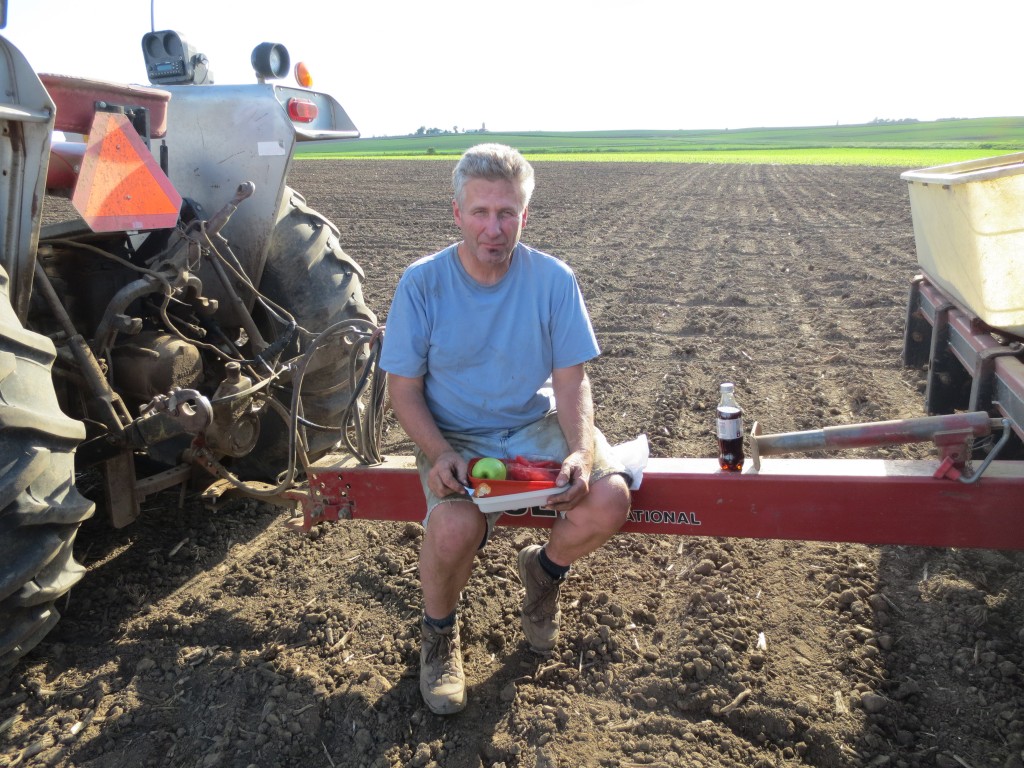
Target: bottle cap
(726,387)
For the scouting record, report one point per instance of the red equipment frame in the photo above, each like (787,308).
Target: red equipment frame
(852,500)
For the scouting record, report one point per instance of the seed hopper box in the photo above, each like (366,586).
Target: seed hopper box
(969,232)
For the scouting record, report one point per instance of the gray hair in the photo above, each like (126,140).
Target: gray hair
(494,162)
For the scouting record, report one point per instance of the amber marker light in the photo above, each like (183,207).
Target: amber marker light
(302,110)
(303,76)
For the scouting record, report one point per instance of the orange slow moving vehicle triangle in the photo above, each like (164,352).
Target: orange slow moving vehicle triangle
(121,186)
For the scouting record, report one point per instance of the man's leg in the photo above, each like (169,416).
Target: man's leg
(452,536)
(583,530)
(450,542)
(586,527)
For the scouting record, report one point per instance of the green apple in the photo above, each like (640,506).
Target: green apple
(489,469)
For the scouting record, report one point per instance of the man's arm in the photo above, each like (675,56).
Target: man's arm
(448,468)
(575,409)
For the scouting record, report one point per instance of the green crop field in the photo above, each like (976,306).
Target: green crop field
(914,144)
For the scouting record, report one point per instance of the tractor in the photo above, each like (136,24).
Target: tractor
(194,315)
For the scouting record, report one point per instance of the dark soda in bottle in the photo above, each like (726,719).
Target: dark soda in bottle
(730,430)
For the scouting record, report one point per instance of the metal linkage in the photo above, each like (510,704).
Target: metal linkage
(953,435)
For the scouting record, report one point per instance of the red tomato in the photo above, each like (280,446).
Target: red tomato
(521,468)
(541,463)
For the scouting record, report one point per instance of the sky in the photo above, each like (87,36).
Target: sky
(568,65)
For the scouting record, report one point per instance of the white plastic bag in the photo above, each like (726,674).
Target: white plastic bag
(633,455)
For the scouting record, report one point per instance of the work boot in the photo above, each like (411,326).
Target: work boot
(442,681)
(541,614)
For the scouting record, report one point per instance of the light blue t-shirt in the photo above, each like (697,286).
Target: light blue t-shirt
(486,352)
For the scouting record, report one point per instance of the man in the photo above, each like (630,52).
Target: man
(485,346)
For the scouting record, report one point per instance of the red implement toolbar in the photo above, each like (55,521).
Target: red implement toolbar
(870,501)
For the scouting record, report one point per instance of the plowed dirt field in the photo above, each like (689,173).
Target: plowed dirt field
(223,639)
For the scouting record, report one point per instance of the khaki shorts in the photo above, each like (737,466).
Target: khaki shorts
(541,439)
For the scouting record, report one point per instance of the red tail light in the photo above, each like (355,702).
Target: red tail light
(302,110)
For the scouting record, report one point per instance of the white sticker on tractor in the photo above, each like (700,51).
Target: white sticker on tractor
(266,148)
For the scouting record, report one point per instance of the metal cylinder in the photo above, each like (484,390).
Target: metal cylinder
(895,432)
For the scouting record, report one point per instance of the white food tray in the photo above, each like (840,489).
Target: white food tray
(512,501)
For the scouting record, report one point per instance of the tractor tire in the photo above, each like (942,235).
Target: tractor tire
(40,509)
(309,274)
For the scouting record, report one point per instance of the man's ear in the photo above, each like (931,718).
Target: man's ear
(526,213)
(456,213)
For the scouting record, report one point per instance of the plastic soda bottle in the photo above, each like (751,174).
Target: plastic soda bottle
(730,430)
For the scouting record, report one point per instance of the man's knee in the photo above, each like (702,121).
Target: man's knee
(455,527)
(608,502)
(614,491)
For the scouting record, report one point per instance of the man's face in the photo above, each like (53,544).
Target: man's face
(491,217)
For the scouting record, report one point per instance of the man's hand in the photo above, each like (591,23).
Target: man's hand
(448,471)
(448,475)
(575,481)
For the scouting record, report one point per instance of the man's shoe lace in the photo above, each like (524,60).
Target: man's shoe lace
(543,597)
(440,652)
